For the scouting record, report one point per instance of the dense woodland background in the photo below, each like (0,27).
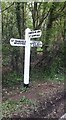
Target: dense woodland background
(46,62)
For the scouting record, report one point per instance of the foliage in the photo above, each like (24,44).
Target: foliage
(11,79)
(48,61)
(47,16)
(47,75)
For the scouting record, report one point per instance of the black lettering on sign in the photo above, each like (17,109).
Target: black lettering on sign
(12,40)
(36,31)
(34,44)
(31,32)
(35,35)
(20,42)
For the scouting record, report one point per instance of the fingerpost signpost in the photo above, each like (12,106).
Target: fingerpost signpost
(27,43)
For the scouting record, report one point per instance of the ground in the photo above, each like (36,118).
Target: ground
(40,99)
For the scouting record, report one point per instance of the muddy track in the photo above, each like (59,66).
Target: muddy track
(53,108)
(50,101)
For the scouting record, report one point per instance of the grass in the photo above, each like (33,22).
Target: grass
(46,76)
(24,89)
(39,50)
(12,78)
(10,107)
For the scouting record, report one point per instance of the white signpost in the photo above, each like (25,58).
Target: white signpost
(27,43)
(21,42)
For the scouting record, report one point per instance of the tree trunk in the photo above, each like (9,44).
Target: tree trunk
(35,24)
(48,29)
(21,28)
(22,35)
(18,17)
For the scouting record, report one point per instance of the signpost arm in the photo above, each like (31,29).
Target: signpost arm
(27,58)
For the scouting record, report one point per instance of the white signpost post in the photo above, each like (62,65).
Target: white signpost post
(27,43)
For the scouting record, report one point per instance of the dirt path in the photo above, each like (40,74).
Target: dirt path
(53,108)
(35,91)
(49,99)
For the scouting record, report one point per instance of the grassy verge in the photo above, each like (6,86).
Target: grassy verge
(12,79)
(12,107)
(46,76)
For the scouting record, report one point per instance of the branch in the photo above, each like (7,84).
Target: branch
(8,7)
(42,19)
(39,5)
(59,15)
